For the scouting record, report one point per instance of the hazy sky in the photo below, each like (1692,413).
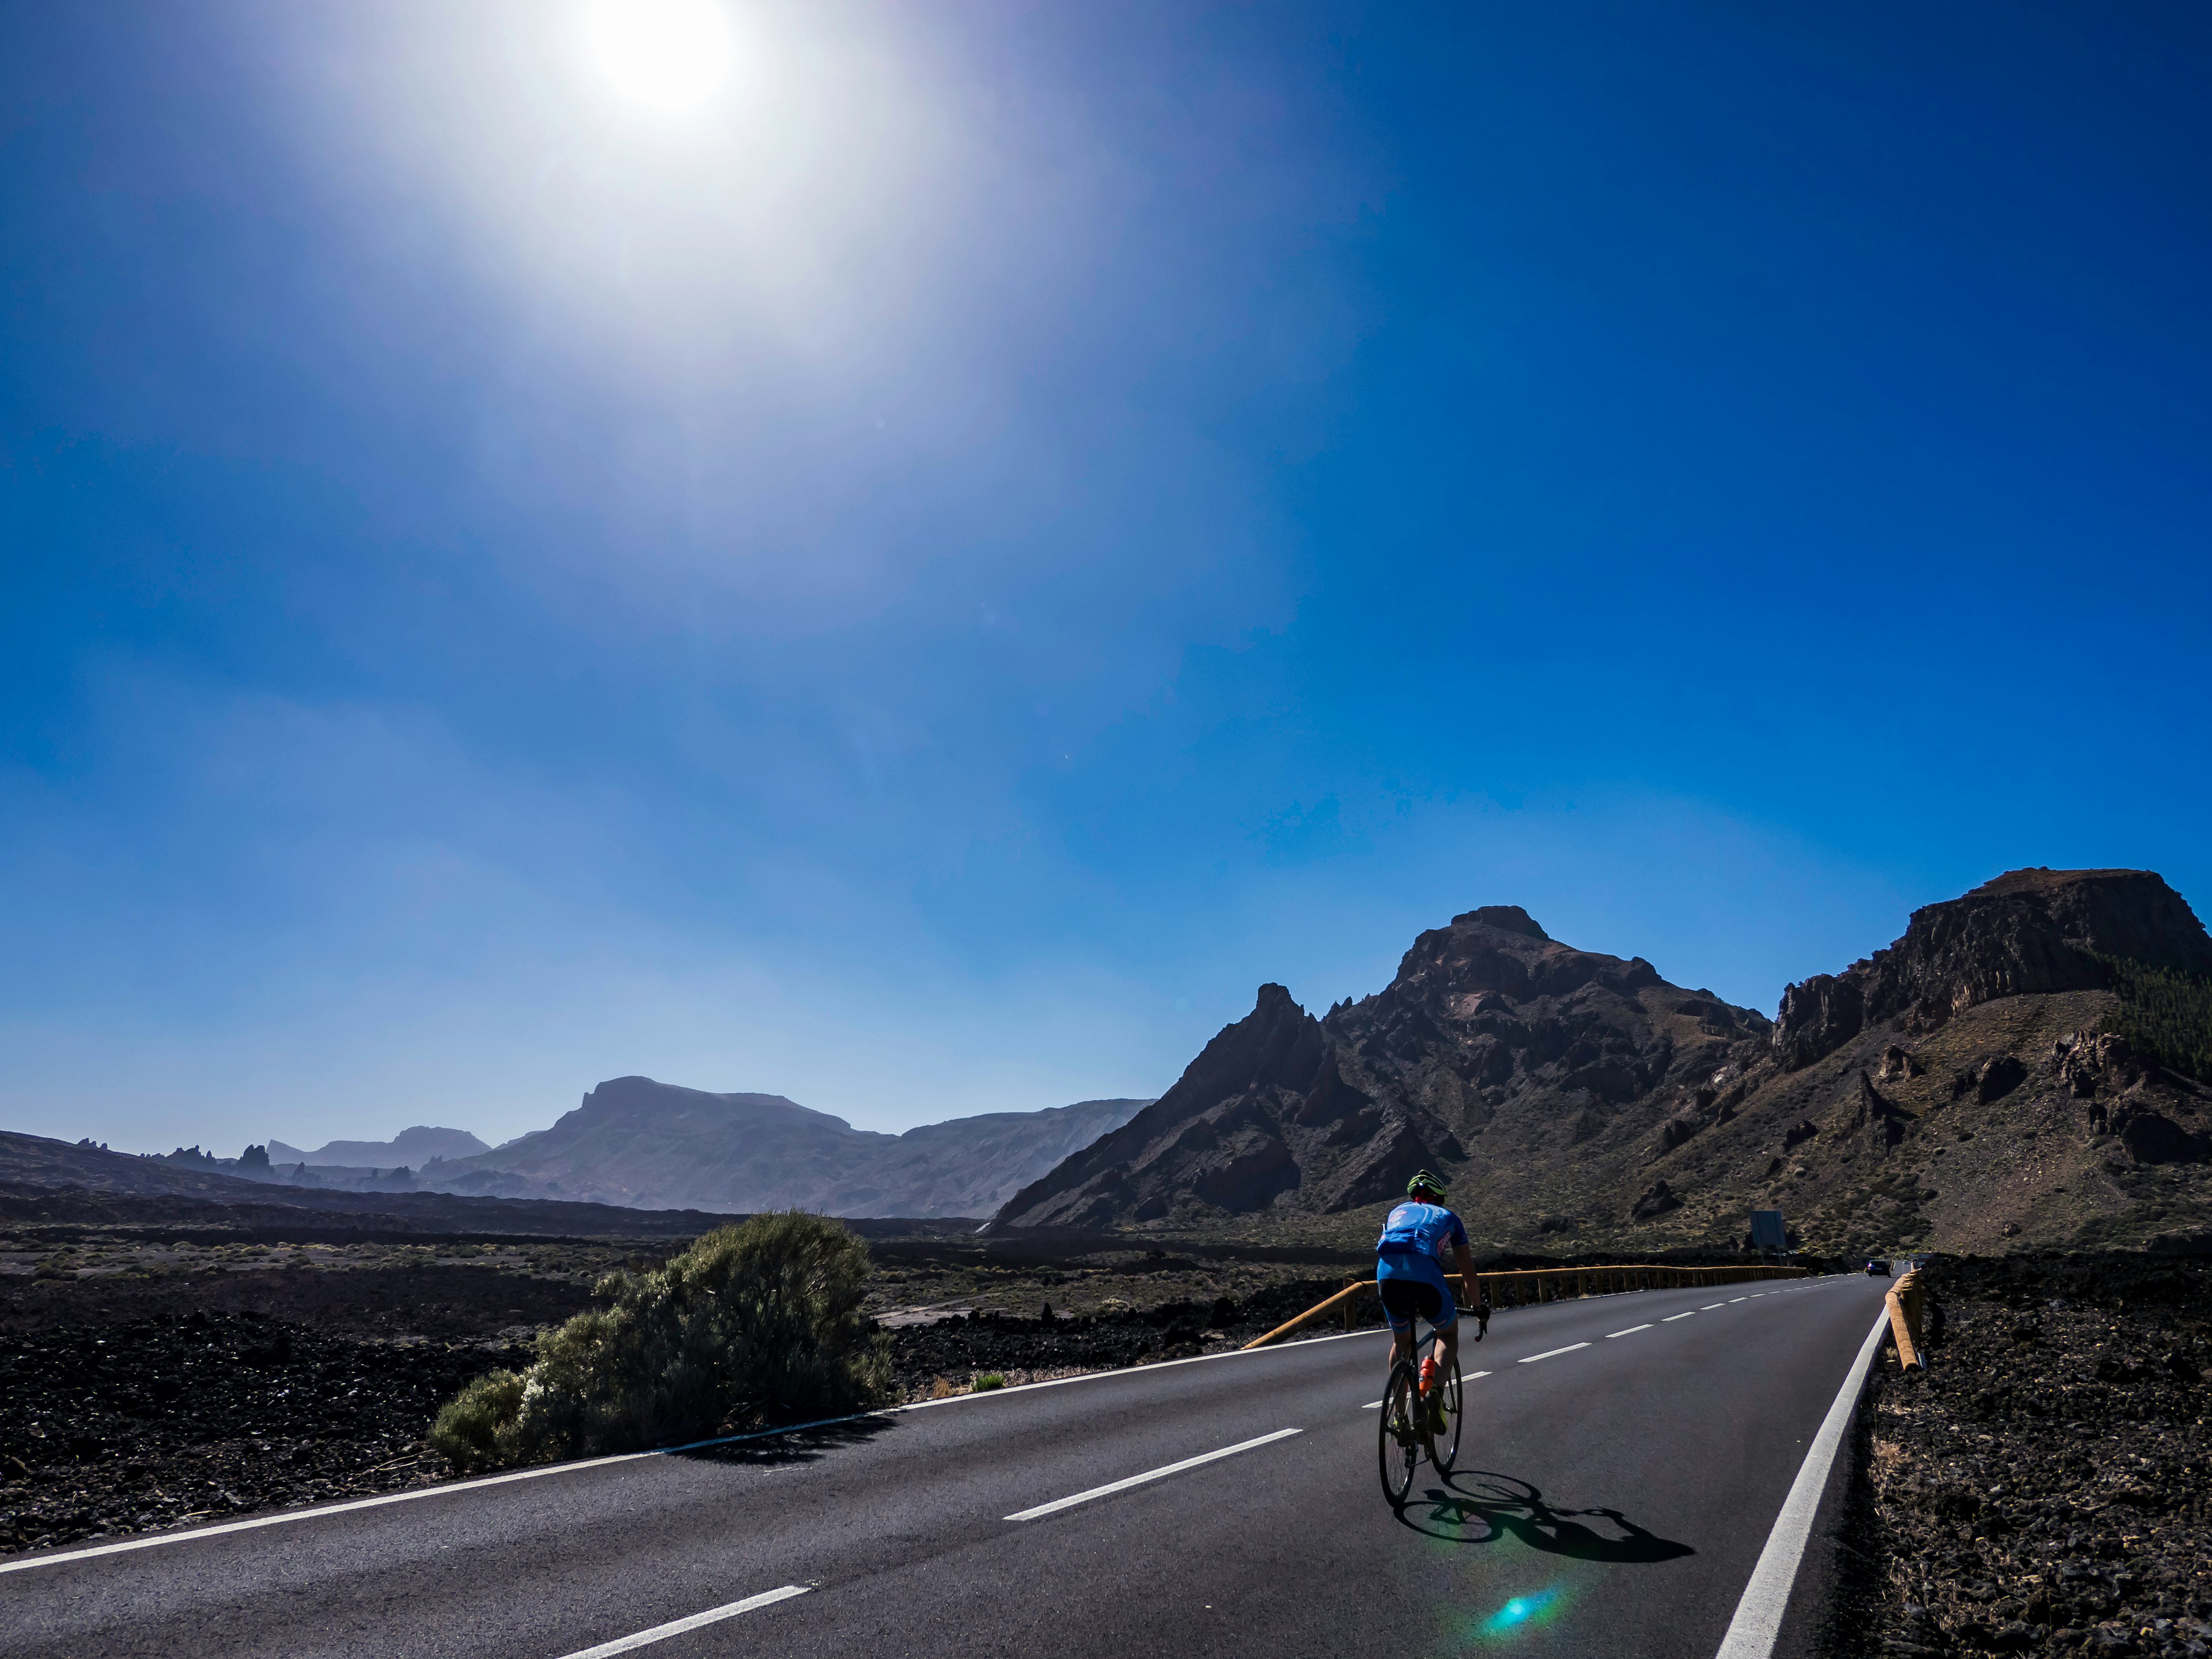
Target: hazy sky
(908,557)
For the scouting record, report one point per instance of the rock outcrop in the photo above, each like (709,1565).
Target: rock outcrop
(2029,933)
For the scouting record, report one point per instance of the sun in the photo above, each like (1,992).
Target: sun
(665,56)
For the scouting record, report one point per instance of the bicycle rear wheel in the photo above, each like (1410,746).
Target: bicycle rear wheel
(1444,1443)
(1398,1434)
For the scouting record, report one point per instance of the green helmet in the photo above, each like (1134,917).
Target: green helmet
(1424,1180)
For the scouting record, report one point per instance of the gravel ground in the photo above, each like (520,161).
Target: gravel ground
(139,1403)
(2044,1486)
(123,1426)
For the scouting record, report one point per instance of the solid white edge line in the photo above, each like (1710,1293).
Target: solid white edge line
(1757,1622)
(287,1516)
(1671,1318)
(1112,1486)
(1553,1353)
(678,1626)
(1630,1331)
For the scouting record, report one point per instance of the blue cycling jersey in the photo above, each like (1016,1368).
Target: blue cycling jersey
(1417,1232)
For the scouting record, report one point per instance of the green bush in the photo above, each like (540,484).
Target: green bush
(2166,1017)
(989,1381)
(753,1326)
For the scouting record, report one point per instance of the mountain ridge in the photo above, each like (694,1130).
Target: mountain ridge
(1575,1097)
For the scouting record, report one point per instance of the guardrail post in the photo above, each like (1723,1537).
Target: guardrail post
(1903,1301)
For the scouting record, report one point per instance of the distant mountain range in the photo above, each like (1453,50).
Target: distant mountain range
(655,1146)
(2028,1065)
(409,1149)
(638,1143)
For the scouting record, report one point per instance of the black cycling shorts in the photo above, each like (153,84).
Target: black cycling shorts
(1404,1299)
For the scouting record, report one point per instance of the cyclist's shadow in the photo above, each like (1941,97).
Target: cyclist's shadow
(1476,1506)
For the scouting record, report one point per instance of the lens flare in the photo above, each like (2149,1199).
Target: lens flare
(1534,1609)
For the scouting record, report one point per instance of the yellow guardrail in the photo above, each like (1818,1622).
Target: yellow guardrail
(1527,1286)
(1905,1300)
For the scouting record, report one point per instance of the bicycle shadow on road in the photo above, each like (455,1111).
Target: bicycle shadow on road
(795,1445)
(1476,1506)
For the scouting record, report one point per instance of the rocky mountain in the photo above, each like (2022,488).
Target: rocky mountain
(638,1142)
(1957,1089)
(1496,1045)
(2030,932)
(409,1149)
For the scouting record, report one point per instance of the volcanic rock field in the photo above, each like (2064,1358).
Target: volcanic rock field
(2046,1484)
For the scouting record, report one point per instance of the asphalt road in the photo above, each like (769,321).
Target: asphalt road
(1612,1498)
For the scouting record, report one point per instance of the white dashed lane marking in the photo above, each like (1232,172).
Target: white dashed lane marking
(1553,1353)
(1671,1318)
(1112,1486)
(1630,1331)
(681,1627)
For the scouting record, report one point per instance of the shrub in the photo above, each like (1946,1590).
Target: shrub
(752,1326)
(989,1381)
(2165,1017)
(468,1429)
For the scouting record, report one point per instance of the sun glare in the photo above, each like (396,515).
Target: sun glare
(666,56)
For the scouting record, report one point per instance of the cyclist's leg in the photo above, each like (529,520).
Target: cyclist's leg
(1400,1318)
(1446,1328)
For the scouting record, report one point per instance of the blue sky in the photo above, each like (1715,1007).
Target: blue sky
(916,578)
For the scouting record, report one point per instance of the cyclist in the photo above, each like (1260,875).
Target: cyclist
(1410,1275)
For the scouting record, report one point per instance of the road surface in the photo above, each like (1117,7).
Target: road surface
(1625,1460)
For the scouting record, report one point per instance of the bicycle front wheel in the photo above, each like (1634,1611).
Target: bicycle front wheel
(1444,1437)
(1398,1434)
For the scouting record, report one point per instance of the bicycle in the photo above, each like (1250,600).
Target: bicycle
(1411,1425)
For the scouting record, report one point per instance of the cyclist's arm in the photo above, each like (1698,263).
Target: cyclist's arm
(1468,1283)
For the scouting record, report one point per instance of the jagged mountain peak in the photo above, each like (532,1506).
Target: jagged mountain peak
(1488,1019)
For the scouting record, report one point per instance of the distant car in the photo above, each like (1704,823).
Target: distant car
(1877,1269)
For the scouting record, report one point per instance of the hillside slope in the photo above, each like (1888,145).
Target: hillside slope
(1952,1091)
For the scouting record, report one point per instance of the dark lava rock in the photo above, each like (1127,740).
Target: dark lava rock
(122,1426)
(2043,1486)
(1999,1078)
(442,1303)
(956,1349)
